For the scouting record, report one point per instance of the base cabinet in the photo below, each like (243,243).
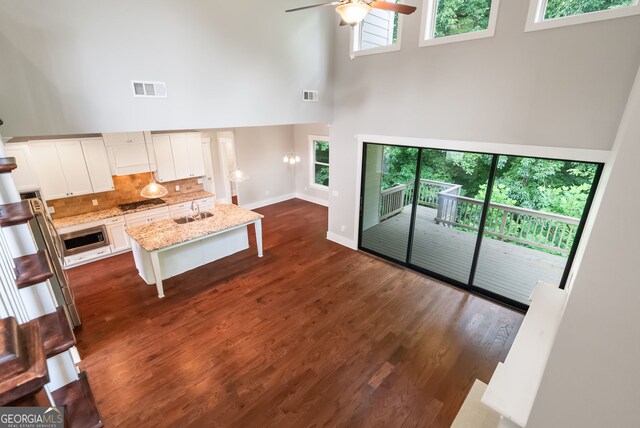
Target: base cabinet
(118,238)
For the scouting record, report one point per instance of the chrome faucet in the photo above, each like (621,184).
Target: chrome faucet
(195,207)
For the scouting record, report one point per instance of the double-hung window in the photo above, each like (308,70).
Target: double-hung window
(378,32)
(446,21)
(544,14)
(319,161)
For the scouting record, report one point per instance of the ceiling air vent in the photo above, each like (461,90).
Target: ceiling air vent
(310,95)
(149,89)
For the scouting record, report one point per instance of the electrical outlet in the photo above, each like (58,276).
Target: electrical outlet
(343,228)
(199,180)
(266,192)
(94,202)
(306,188)
(335,194)
(51,209)
(177,188)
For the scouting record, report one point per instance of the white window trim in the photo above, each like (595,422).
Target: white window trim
(428,24)
(536,21)
(312,161)
(354,40)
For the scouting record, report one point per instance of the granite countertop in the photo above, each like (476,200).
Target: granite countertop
(165,233)
(115,211)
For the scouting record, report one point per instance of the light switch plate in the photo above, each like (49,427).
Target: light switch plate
(199,180)
(177,188)
(51,209)
(335,194)
(94,202)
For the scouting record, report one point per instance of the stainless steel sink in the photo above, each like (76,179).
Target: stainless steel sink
(184,220)
(191,219)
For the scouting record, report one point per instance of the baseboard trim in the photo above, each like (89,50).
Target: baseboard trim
(349,243)
(312,199)
(265,202)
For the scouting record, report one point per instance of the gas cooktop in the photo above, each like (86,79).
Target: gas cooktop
(147,203)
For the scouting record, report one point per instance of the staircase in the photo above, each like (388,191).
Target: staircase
(26,343)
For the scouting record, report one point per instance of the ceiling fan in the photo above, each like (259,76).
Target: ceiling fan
(353,12)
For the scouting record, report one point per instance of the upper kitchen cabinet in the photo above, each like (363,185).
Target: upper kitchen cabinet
(61,168)
(178,156)
(127,153)
(164,158)
(67,168)
(95,156)
(196,156)
(24,176)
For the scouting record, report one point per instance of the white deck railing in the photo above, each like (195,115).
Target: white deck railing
(535,228)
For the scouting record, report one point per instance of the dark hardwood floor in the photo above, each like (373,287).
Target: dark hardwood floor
(312,334)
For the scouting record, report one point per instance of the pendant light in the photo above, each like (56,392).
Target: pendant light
(153,190)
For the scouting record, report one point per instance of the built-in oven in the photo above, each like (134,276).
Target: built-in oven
(84,240)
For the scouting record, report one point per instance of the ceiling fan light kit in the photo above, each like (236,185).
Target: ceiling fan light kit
(353,13)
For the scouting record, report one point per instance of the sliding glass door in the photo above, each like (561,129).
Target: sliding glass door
(387,199)
(452,190)
(531,225)
(489,223)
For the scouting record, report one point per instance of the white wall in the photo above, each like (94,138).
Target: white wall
(564,87)
(259,153)
(303,169)
(67,65)
(592,376)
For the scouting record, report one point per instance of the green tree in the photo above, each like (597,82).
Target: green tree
(562,8)
(461,16)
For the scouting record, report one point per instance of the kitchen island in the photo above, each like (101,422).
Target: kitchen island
(167,248)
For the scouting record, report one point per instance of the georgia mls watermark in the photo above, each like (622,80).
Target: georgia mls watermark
(31,417)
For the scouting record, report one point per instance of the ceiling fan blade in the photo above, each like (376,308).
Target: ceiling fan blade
(333,3)
(393,7)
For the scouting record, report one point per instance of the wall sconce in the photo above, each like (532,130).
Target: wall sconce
(291,158)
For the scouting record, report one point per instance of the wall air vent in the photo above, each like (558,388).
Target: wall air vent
(149,89)
(309,95)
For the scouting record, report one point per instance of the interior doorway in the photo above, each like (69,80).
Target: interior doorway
(227,151)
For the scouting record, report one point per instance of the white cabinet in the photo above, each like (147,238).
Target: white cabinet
(180,210)
(127,153)
(49,170)
(206,204)
(24,176)
(95,156)
(74,167)
(180,151)
(164,158)
(87,256)
(178,156)
(118,238)
(148,216)
(70,167)
(196,156)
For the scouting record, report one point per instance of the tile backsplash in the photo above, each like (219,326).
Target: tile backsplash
(127,189)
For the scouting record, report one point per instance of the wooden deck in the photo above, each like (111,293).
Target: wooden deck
(503,268)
